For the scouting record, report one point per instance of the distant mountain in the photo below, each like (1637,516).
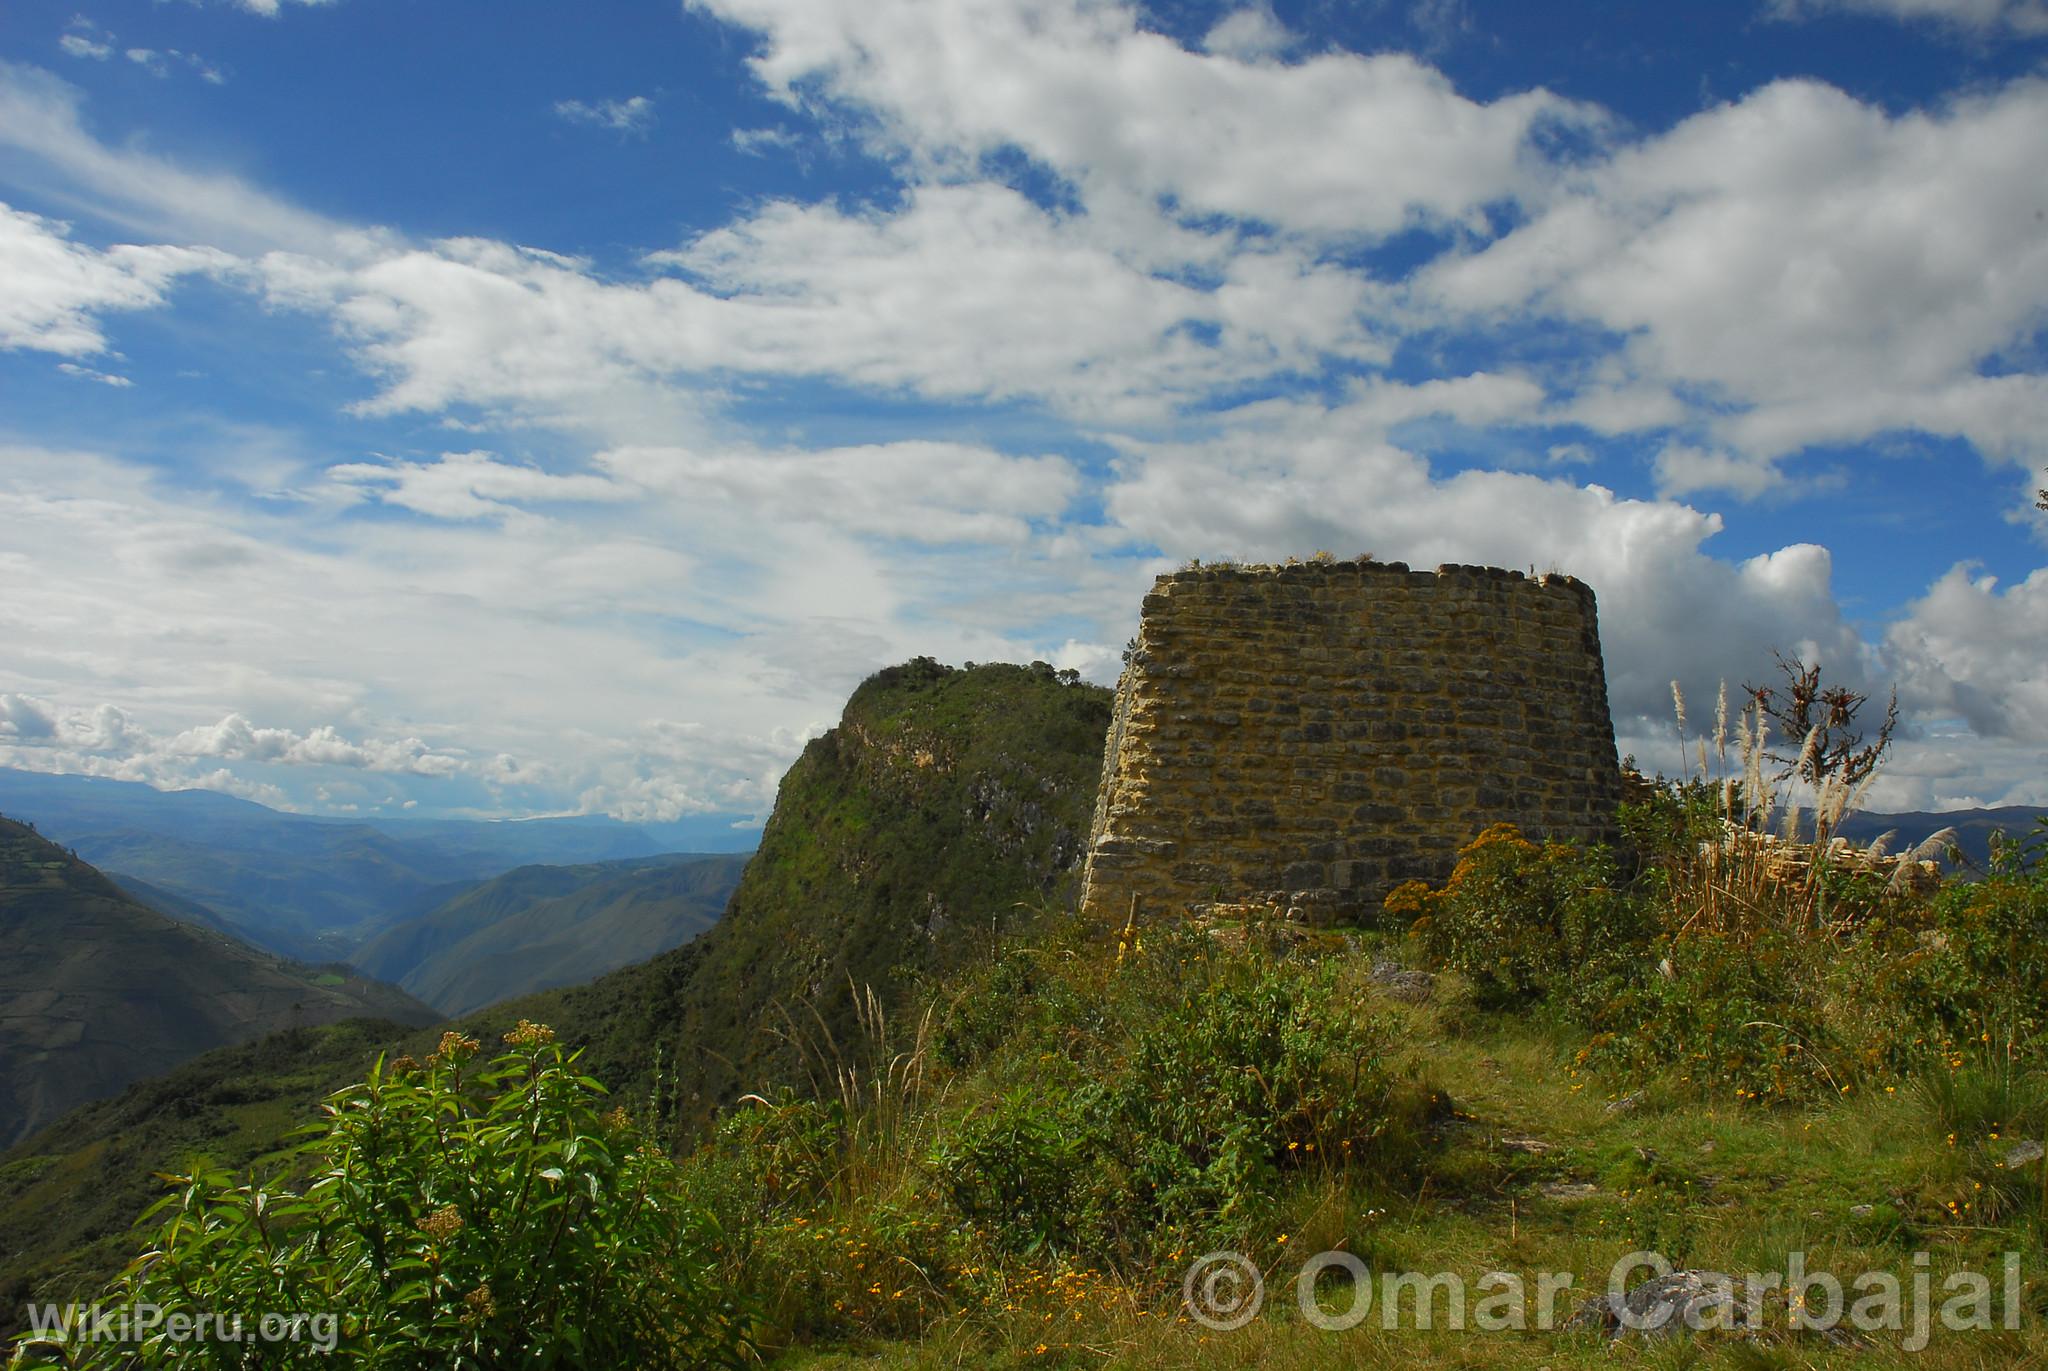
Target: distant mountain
(1974,828)
(945,807)
(182,909)
(97,990)
(538,927)
(307,887)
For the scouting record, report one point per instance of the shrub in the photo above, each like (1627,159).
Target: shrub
(1980,966)
(1525,922)
(454,1217)
(1211,1076)
(1727,1013)
(1015,1170)
(988,1008)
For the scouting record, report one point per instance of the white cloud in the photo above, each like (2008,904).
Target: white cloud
(649,614)
(105,378)
(471,485)
(635,114)
(2026,17)
(85,39)
(270,9)
(25,718)
(108,732)
(1825,270)
(1684,470)
(1297,479)
(1974,652)
(920,492)
(158,64)
(1248,34)
(760,142)
(52,289)
(234,738)
(963,292)
(537,660)
(1123,111)
(974,291)
(39,117)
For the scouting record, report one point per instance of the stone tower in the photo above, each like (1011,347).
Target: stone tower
(1311,735)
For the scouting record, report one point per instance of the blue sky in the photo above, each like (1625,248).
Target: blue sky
(522,409)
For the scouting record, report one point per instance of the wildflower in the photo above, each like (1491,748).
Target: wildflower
(454,1048)
(478,1306)
(529,1034)
(443,1224)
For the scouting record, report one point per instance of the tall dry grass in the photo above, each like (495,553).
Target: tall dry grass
(1778,859)
(882,1078)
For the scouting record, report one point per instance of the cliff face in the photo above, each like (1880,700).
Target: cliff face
(946,805)
(1311,735)
(900,840)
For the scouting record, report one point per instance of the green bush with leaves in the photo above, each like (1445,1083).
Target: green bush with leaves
(1527,922)
(1724,1013)
(447,1214)
(1979,964)
(1211,1075)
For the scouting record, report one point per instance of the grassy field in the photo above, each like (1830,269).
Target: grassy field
(1542,1168)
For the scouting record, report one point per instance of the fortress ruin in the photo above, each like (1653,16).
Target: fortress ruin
(1308,736)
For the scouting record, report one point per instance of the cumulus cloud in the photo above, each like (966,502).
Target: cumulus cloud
(1120,110)
(1823,269)
(635,114)
(234,738)
(52,290)
(110,733)
(1974,652)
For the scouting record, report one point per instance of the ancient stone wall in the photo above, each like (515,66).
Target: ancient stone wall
(1311,735)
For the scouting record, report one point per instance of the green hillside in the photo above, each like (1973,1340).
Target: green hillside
(946,808)
(544,926)
(97,990)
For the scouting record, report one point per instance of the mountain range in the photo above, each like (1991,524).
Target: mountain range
(98,990)
(537,927)
(311,888)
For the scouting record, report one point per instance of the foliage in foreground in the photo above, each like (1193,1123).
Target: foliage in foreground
(452,1214)
(1058,1120)
(1738,962)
